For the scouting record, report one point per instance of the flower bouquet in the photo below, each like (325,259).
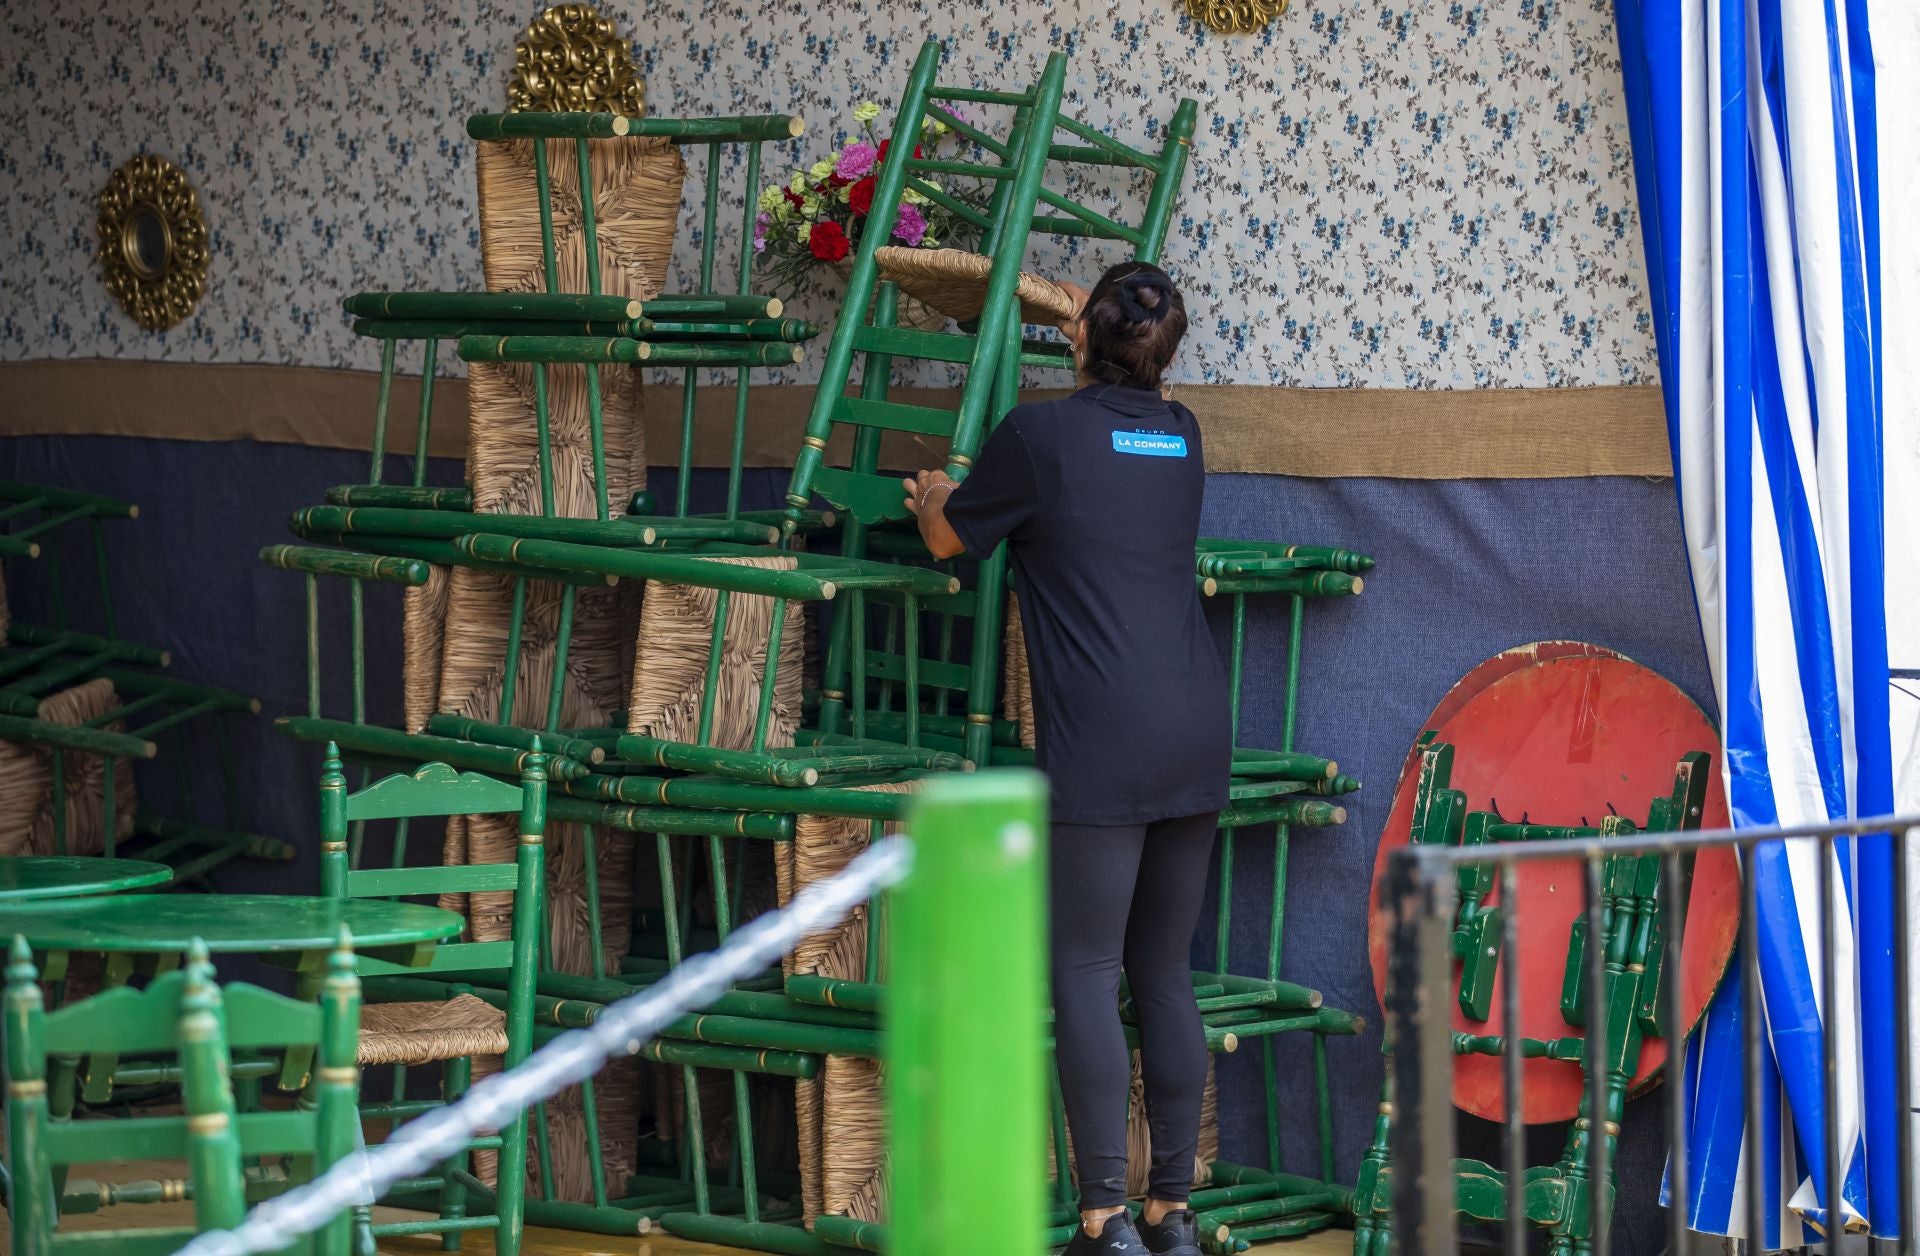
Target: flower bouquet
(816,219)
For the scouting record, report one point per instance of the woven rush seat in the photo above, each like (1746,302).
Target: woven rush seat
(27,803)
(674,646)
(954,282)
(422,1033)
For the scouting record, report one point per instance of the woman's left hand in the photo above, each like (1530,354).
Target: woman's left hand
(1075,328)
(920,485)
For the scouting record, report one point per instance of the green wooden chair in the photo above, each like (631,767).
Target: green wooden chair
(185,720)
(1561,1199)
(182,1015)
(473,998)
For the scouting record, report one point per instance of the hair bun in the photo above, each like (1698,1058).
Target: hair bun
(1154,288)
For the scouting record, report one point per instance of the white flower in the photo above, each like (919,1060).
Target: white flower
(865,111)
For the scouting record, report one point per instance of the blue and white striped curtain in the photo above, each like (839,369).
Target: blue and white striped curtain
(1776,195)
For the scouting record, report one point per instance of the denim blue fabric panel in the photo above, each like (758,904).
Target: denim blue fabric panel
(1466,568)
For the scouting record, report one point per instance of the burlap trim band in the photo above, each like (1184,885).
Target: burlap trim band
(1546,433)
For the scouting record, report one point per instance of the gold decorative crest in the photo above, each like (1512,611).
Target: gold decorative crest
(153,242)
(1236,17)
(570,60)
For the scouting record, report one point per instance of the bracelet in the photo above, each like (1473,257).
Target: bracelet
(946,484)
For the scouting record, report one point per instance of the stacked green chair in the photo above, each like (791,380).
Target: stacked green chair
(474,999)
(911,658)
(69,695)
(186,1024)
(1560,1199)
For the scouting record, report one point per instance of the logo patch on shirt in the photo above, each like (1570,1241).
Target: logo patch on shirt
(1150,444)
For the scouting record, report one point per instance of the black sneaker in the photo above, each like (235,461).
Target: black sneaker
(1178,1234)
(1117,1238)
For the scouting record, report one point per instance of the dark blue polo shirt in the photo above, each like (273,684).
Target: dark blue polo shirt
(1098,498)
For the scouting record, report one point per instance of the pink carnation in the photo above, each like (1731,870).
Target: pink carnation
(856,160)
(760,233)
(909,224)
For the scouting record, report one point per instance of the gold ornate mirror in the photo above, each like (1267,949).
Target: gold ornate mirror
(1236,17)
(153,242)
(571,60)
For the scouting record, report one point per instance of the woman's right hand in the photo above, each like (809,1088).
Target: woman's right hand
(919,485)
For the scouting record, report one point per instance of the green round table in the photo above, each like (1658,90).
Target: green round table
(150,932)
(254,924)
(24,878)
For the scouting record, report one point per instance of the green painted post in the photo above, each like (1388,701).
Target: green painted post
(1166,181)
(590,238)
(333,825)
(966,1009)
(313,646)
(876,376)
(543,417)
(428,360)
(763,715)
(737,451)
(853,311)
(31,1205)
(510,678)
(337,1082)
(528,927)
(213,1144)
(380,411)
(561,641)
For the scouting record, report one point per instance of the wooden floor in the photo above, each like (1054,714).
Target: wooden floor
(554,1243)
(558,1242)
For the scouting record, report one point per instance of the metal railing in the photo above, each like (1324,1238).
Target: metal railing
(1419,897)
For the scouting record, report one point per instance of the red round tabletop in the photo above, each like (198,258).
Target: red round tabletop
(1556,733)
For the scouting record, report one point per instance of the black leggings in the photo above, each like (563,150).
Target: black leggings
(1128,897)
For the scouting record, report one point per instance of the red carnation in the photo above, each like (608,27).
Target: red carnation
(827,241)
(881,159)
(793,198)
(860,196)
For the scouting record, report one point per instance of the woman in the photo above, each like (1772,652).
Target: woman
(1098,498)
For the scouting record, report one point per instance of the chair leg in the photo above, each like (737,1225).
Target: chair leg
(453,1195)
(363,1244)
(510,1192)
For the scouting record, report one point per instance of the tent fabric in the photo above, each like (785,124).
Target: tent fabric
(1757,147)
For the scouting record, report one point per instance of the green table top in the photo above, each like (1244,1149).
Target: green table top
(259,924)
(24,878)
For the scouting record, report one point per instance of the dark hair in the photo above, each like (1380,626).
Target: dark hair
(1133,322)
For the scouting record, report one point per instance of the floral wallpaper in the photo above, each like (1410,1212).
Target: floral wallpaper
(1383,193)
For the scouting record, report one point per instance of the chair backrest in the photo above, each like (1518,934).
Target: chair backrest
(1017,163)
(186,1015)
(436,789)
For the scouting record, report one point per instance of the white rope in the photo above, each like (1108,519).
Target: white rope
(622,1028)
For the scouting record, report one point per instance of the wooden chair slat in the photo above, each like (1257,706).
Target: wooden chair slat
(457,957)
(409,882)
(434,790)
